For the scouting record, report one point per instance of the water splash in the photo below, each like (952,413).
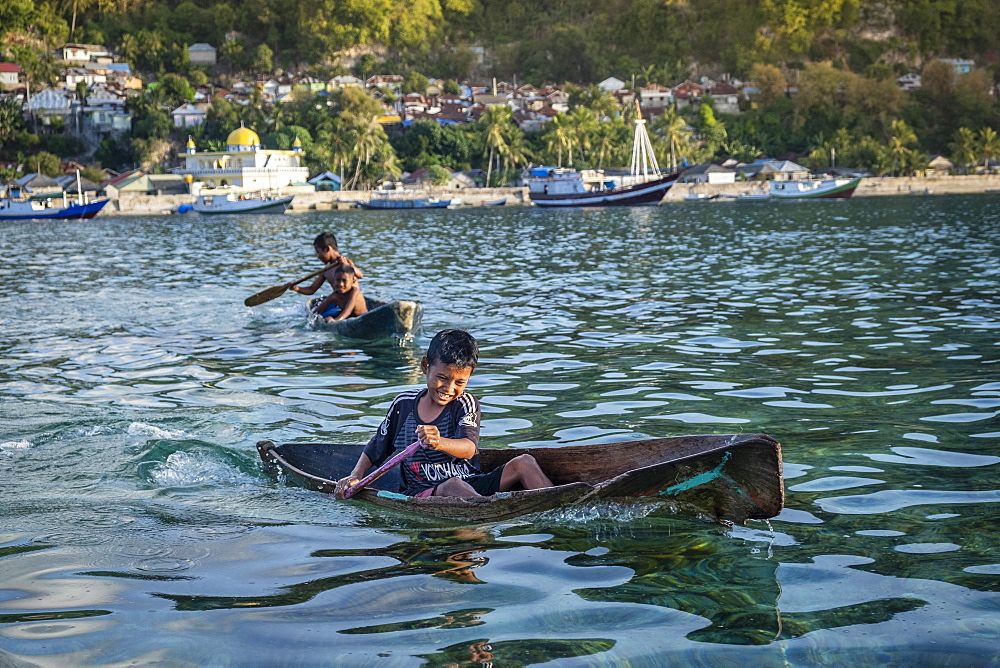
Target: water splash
(185,469)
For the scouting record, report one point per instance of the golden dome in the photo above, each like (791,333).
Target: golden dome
(297,142)
(190,143)
(243,137)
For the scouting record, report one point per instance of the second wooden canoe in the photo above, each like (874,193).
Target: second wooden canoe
(722,477)
(384,319)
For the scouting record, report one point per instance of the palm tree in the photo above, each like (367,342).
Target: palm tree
(899,145)
(963,149)
(671,128)
(559,134)
(494,123)
(516,153)
(989,145)
(584,125)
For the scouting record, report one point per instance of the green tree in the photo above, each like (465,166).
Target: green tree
(414,82)
(494,132)
(260,61)
(900,142)
(438,175)
(989,146)
(964,149)
(557,136)
(46,163)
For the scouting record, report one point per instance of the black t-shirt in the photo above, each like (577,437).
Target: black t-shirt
(427,468)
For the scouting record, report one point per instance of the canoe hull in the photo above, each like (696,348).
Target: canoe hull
(397,318)
(726,478)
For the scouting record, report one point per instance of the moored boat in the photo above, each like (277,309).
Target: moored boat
(826,189)
(645,183)
(59,206)
(389,200)
(260,202)
(723,477)
(384,319)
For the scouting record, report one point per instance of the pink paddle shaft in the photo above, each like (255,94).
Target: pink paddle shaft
(380,471)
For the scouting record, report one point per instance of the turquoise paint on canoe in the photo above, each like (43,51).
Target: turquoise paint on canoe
(700,479)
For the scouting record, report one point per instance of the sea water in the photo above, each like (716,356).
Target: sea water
(138,526)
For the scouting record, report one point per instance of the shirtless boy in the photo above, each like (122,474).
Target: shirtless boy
(346,300)
(445,419)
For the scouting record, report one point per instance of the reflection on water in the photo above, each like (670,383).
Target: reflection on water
(861,334)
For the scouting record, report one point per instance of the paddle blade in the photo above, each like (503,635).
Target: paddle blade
(264,296)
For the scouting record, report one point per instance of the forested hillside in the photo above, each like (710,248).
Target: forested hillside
(533,40)
(824,75)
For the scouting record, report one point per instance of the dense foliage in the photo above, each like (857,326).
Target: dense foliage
(842,56)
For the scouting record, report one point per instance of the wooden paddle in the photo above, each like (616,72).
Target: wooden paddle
(278,290)
(382,470)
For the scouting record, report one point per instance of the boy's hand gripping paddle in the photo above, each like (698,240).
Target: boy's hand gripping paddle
(382,470)
(278,290)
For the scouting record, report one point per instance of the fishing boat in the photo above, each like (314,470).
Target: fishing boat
(644,184)
(397,318)
(494,202)
(259,202)
(751,196)
(382,199)
(699,197)
(61,205)
(724,478)
(825,189)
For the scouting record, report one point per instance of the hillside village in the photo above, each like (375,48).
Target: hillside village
(95,99)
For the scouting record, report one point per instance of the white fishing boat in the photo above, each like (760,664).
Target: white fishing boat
(644,184)
(258,202)
(814,189)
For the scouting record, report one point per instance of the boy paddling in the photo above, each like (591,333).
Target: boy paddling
(325,246)
(446,420)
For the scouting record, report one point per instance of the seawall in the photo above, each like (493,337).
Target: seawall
(329,200)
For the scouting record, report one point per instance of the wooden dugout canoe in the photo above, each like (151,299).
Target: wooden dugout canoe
(725,477)
(383,319)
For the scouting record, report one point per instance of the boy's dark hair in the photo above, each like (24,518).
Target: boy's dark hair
(344,268)
(454,347)
(326,240)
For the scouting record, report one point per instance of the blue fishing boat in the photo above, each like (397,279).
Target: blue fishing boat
(56,205)
(402,200)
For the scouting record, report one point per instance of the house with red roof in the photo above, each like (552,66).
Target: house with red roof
(10,74)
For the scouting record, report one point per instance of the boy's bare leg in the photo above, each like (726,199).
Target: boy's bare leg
(523,469)
(455,487)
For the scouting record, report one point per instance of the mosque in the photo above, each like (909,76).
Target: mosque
(245,165)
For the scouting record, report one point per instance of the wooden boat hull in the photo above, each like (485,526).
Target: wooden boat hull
(12,211)
(384,319)
(726,477)
(253,205)
(650,192)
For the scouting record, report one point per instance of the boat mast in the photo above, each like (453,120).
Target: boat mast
(643,158)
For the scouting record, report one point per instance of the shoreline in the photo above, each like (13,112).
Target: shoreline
(471,198)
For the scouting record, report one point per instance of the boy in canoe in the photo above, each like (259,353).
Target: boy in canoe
(325,246)
(445,419)
(346,300)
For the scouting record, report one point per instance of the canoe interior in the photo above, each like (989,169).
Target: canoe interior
(729,478)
